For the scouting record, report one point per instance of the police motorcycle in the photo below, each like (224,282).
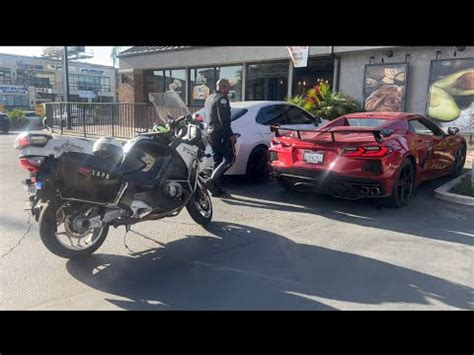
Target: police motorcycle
(76,190)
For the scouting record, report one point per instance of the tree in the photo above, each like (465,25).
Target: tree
(115,52)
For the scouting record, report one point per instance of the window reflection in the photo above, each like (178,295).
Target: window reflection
(234,75)
(267,81)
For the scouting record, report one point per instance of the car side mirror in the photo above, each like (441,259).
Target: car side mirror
(453,131)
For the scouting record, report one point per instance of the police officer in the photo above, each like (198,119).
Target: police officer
(221,137)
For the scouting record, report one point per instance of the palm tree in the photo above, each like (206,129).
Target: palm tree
(115,52)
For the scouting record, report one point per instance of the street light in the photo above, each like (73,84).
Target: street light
(66,87)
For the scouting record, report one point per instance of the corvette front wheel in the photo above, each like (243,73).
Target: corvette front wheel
(404,185)
(458,166)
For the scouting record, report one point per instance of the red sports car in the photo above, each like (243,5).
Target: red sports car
(376,154)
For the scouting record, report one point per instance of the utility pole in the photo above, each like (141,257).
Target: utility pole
(66,87)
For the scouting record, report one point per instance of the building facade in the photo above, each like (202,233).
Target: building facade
(267,73)
(26,81)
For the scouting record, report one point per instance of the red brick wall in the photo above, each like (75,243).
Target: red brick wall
(131,88)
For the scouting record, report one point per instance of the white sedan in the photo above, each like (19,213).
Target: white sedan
(252,120)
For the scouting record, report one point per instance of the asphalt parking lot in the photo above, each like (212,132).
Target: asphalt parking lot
(267,248)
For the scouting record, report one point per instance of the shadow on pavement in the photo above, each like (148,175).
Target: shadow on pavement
(240,267)
(424,216)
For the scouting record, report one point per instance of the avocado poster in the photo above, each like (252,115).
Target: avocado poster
(385,87)
(451,93)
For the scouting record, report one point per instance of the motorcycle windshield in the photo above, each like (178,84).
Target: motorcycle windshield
(168,103)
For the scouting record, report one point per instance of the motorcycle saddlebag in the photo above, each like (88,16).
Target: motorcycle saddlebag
(88,177)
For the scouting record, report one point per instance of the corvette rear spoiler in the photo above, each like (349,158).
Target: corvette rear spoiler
(379,134)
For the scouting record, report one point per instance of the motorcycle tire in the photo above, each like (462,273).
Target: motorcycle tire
(47,221)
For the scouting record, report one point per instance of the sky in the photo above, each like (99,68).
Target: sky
(101,54)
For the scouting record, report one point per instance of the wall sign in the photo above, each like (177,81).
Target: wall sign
(299,56)
(29,66)
(451,93)
(87,94)
(91,71)
(385,87)
(13,89)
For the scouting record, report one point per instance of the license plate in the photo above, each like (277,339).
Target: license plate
(313,157)
(31,189)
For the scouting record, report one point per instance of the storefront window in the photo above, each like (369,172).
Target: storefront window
(36,78)
(89,82)
(154,81)
(267,81)
(306,77)
(14,101)
(203,81)
(234,75)
(5,76)
(163,80)
(175,79)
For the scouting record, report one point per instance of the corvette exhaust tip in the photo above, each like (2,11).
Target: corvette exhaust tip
(364,190)
(375,191)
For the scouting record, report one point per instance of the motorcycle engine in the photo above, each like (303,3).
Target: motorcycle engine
(172,189)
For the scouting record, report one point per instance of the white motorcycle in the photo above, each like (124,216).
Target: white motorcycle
(76,190)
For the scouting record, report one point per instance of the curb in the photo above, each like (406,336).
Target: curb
(443,194)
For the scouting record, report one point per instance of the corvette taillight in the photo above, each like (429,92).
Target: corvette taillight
(375,151)
(32,164)
(279,143)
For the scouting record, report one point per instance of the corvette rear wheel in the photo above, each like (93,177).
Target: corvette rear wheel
(404,185)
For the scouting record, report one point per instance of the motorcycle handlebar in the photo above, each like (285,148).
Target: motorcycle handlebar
(175,121)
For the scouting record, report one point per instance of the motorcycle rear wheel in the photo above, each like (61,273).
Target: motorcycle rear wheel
(49,236)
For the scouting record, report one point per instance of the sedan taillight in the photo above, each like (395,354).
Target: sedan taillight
(26,139)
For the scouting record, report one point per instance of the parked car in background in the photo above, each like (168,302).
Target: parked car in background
(376,154)
(253,119)
(4,122)
(33,120)
(77,119)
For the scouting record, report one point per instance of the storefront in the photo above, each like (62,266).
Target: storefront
(380,78)
(12,96)
(267,79)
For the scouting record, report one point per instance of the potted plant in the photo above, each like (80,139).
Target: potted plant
(325,103)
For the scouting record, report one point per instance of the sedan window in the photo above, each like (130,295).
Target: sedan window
(235,113)
(295,115)
(272,114)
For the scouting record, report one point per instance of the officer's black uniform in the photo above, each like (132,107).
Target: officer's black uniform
(219,131)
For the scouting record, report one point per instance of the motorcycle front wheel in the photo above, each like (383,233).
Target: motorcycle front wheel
(58,236)
(200,206)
